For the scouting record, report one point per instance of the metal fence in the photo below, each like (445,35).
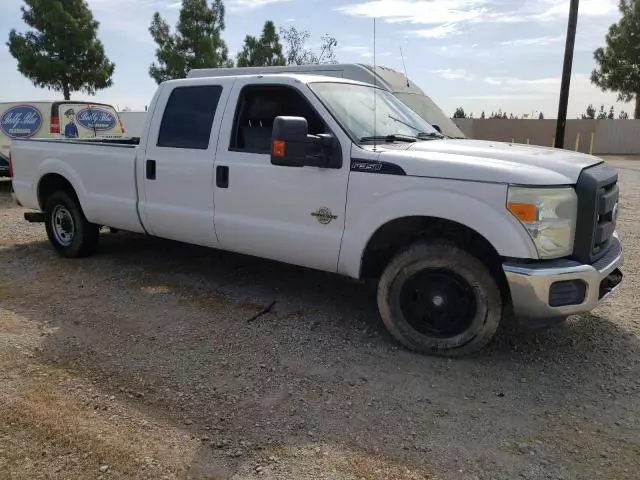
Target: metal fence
(600,137)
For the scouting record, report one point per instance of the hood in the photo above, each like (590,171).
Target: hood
(478,160)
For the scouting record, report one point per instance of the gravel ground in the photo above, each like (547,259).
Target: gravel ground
(141,362)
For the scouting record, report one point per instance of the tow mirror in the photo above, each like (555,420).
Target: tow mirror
(292,146)
(437,127)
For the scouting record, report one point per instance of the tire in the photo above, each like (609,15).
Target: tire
(70,233)
(438,299)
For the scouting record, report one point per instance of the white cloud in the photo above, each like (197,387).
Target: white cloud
(512,83)
(362,51)
(555,9)
(357,50)
(537,41)
(441,31)
(426,12)
(455,12)
(454,74)
(243,5)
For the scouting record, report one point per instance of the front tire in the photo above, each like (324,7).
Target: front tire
(439,299)
(69,231)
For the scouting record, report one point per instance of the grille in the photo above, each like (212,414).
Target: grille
(598,195)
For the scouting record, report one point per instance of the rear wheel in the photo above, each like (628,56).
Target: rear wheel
(70,233)
(439,299)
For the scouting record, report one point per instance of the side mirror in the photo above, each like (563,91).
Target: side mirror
(292,146)
(437,127)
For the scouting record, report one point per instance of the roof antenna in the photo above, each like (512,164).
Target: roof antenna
(375,84)
(404,67)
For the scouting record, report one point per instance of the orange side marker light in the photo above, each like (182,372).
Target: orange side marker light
(278,148)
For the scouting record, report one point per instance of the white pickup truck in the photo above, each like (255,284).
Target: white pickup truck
(341,176)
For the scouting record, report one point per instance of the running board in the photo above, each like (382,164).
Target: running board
(34,217)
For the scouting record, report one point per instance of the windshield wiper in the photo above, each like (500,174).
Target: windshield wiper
(396,137)
(421,135)
(396,119)
(429,136)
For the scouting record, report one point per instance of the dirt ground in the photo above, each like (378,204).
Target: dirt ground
(141,363)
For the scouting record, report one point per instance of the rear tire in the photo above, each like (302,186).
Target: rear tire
(69,231)
(436,298)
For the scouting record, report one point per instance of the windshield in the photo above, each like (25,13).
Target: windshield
(428,110)
(353,107)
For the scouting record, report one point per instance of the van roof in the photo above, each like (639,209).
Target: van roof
(29,102)
(387,77)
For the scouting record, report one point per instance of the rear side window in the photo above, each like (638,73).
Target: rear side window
(188,117)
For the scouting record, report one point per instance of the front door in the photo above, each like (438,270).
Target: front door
(176,170)
(295,215)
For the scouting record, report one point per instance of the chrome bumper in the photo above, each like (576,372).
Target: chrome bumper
(530,284)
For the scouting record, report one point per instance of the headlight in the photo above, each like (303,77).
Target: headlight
(549,215)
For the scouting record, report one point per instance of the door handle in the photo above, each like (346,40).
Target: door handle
(151,169)
(222,176)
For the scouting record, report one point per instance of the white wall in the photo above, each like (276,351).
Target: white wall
(133,122)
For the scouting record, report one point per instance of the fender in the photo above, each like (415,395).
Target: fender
(57,166)
(479,206)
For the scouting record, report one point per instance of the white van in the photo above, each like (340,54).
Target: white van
(396,82)
(62,119)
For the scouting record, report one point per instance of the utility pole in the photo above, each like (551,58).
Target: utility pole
(566,73)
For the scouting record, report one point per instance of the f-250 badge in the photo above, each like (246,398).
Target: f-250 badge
(324,215)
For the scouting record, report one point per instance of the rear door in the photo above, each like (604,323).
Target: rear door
(176,200)
(19,121)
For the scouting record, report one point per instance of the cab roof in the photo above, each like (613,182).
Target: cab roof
(296,77)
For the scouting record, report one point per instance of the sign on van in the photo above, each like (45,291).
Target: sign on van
(21,121)
(96,118)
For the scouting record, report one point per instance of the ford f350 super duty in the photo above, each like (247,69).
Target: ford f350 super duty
(341,176)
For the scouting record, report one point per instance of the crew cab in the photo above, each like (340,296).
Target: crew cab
(338,175)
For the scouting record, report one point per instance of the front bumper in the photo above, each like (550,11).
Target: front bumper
(531,285)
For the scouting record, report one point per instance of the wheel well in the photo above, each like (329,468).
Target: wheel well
(51,183)
(400,233)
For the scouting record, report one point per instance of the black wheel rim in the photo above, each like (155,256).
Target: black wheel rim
(438,303)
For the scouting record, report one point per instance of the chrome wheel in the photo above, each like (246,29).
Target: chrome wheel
(63,225)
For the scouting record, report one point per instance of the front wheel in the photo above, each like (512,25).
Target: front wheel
(439,299)
(70,233)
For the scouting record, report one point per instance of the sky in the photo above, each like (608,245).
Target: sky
(483,55)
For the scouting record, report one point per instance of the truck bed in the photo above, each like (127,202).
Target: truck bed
(102,172)
(119,142)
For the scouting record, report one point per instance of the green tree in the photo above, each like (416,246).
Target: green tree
(482,115)
(612,113)
(459,113)
(298,54)
(263,51)
(541,116)
(62,52)
(602,115)
(590,113)
(623,115)
(197,42)
(619,61)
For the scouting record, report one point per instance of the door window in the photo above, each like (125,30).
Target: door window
(188,117)
(258,106)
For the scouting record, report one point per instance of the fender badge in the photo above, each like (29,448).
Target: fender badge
(324,215)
